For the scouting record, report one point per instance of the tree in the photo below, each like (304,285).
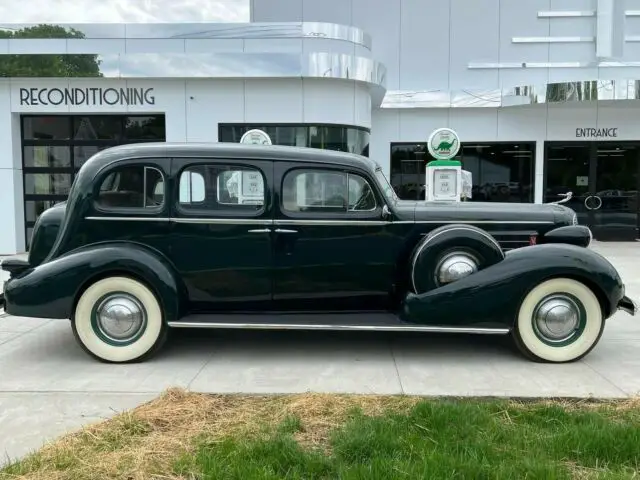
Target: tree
(47,65)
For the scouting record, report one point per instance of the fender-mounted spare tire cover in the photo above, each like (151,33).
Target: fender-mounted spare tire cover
(448,239)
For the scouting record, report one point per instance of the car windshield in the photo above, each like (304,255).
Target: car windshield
(387,189)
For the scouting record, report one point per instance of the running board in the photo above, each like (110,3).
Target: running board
(375,322)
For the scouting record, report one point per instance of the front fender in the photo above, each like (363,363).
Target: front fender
(50,289)
(491,297)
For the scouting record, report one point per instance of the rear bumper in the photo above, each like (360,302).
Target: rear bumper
(627,305)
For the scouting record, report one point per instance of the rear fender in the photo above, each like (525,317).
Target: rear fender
(491,297)
(51,289)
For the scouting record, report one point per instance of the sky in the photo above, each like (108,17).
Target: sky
(133,11)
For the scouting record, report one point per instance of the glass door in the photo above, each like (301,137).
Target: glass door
(613,204)
(603,177)
(567,169)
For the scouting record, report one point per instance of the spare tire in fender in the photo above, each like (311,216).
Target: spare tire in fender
(444,242)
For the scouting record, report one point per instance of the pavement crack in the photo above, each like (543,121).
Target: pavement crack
(594,370)
(395,365)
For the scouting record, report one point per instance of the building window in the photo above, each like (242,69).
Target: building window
(342,138)
(54,147)
(502,172)
(221,187)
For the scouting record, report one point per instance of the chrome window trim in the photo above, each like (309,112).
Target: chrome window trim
(319,222)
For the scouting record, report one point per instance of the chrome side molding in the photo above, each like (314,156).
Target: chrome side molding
(371,328)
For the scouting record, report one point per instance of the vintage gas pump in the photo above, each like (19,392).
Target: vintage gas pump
(445,179)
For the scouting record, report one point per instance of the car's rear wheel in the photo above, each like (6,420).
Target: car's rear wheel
(560,320)
(119,320)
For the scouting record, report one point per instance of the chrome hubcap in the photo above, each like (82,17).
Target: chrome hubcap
(557,318)
(120,317)
(455,267)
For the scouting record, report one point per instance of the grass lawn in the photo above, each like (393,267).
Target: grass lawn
(195,436)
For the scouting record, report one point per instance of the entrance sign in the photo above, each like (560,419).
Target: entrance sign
(597,132)
(443,144)
(256,137)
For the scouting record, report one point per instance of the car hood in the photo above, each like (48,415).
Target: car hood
(468,212)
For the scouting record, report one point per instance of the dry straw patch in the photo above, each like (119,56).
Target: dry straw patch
(144,442)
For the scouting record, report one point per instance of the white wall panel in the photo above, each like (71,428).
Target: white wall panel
(331,102)
(332,11)
(273,101)
(475,37)
(277,10)
(381,19)
(6,160)
(474,124)
(211,102)
(522,123)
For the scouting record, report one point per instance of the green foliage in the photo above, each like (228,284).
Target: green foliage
(438,440)
(56,65)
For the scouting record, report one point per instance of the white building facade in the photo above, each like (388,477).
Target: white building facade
(543,94)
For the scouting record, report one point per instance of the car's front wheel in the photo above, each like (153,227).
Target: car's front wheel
(119,320)
(560,320)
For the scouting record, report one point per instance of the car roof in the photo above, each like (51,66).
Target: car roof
(227,150)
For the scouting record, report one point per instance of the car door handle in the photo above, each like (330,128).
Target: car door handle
(284,230)
(260,230)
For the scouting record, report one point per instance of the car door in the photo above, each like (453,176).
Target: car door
(221,232)
(333,250)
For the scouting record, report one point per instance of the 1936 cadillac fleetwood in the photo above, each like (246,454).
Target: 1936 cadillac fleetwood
(161,236)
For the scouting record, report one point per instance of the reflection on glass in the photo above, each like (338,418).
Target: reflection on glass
(33,208)
(145,128)
(53,127)
(97,127)
(341,138)
(56,146)
(84,152)
(47,65)
(47,183)
(46,156)
(502,172)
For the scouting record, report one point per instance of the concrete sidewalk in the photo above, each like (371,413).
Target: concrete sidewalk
(48,385)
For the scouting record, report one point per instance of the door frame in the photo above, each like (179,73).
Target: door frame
(593,172)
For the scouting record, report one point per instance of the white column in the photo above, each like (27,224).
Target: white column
(610,29)
(11,195)
(538,176)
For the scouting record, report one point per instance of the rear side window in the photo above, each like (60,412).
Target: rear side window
(132,186)
(221,187)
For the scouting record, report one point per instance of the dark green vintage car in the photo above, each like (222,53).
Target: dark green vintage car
(155,236)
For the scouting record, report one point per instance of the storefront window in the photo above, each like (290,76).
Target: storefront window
(502,172)
(327,137)
(54,147)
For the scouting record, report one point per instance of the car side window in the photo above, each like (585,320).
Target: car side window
(132,186)
(221,187)
(326,191)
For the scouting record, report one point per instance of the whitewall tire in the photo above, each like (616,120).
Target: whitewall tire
(119,320)
(560,320)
